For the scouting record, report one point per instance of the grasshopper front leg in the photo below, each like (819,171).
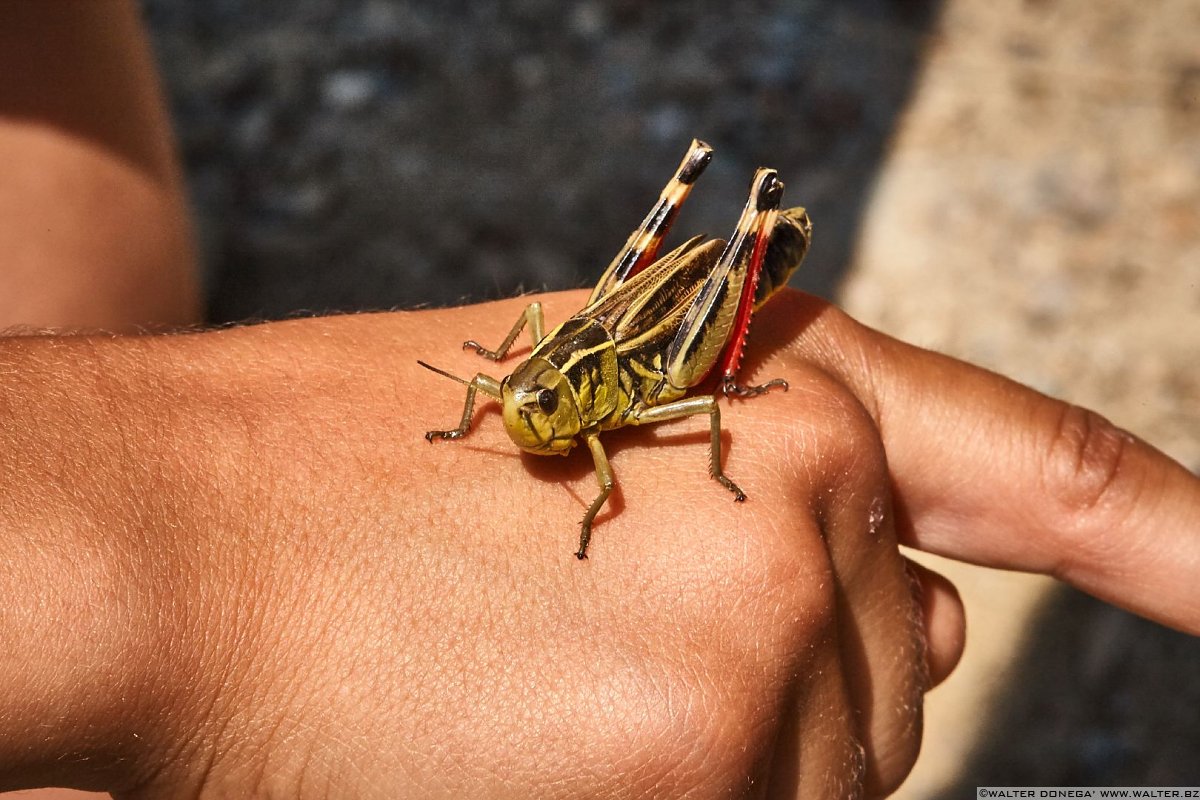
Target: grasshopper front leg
(604,477)
(537,330)
(484,383)
(680,408)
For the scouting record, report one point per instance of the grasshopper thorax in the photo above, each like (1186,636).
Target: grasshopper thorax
(540,413)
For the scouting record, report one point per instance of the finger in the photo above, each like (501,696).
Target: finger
(884,645)
(1046,486)
(879,619)
(992,472)
(822,733)
(943,618)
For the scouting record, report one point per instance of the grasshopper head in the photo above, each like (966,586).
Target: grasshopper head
(540,414)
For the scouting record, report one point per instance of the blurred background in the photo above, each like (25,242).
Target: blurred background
(1015,182)
(367,153)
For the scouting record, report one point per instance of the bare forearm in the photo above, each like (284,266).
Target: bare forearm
(207,537)
(112,451)
(244,539)
(69,589)
(144,479)
(93,223)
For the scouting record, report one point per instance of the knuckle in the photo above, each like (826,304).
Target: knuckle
(1082,470)
(824,334)
(845,428)
(709,756)
(761,596)
(793,589)
(694,723)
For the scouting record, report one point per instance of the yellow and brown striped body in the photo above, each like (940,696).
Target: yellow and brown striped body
(653,329)
(614,353)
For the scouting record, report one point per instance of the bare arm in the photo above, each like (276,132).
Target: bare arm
(236,566)
(93,224)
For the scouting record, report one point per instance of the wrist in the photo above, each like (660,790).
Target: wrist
(86,520)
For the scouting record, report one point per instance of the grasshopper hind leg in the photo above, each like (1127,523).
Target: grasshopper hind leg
(785,250)
(712,334)
(642,247)
(731,388)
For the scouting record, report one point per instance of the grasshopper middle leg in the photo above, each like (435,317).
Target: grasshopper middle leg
(680,408)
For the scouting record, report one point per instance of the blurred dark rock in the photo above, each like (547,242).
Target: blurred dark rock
(369,154)
(1111,701)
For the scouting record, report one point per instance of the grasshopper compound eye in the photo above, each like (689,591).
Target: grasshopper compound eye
(547,401)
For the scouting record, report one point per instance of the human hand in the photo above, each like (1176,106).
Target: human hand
(302,596)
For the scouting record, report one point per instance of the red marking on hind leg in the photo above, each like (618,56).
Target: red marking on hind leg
(731,359)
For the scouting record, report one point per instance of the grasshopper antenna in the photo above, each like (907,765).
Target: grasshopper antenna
(443,373)
(487,385)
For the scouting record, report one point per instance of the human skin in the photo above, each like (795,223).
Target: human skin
(254,577)
(93,224)
(97,237)
(93,221)
(209,541)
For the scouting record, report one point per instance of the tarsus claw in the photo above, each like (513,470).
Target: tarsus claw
(729,388)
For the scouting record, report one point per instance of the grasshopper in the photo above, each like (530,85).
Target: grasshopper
(652,329)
